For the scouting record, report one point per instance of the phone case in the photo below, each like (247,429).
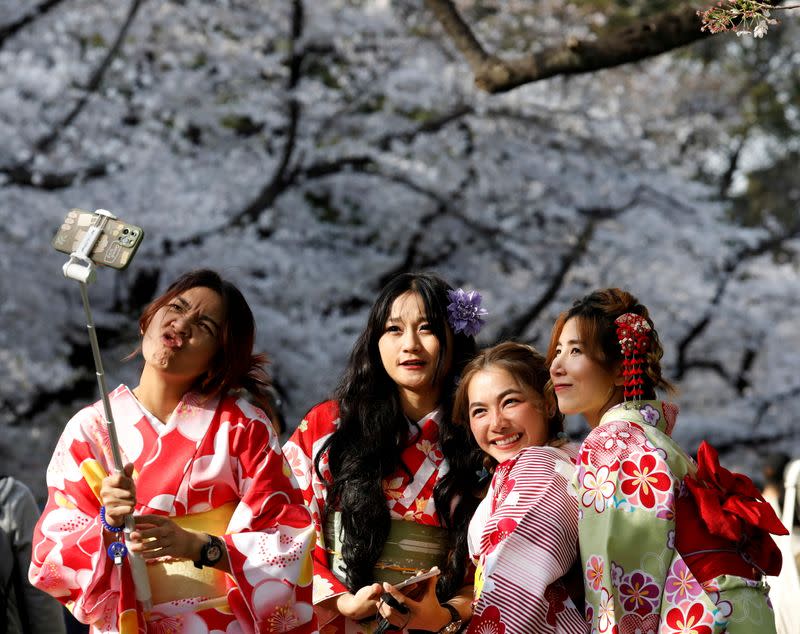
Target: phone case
(116,246)
(417,578)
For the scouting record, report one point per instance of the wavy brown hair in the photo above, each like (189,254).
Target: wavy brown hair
(528,366)
(595,314)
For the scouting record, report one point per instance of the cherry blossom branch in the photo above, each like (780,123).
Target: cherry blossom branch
(517,326)
(428,127)
(283,176)
(684,363)
(767,439)
(12,28)
(25,176)
(446,205)
(46,142)
(642,39)
(743,17)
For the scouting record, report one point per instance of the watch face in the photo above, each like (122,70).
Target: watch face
(214,552)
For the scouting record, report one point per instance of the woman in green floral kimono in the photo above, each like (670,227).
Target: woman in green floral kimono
(666,545)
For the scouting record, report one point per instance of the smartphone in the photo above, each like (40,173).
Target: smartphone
(417,578)
(412,588)
(115,247)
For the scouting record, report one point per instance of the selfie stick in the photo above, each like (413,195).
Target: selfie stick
(81,269)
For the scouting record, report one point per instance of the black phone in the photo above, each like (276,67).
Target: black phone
(116,246)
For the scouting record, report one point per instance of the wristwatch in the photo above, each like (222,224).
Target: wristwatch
(211,552)
(455,620)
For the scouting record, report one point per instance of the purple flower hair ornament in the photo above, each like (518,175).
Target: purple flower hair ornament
(464,312)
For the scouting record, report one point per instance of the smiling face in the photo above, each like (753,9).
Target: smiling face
(410,351)
(505,415)
(184,335)
(581,384)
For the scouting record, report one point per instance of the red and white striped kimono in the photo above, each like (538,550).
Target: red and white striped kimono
(524,539)
(214,466)
(408,498)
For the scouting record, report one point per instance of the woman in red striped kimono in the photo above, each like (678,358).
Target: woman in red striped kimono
(219,519)
(390,481)
(524,535)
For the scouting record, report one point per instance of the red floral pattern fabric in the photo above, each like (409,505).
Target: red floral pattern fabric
(631,484)
(209,454)
(408,497)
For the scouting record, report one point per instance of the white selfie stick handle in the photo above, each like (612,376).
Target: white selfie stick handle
(138,569)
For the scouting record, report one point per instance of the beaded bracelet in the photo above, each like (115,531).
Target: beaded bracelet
(106,525)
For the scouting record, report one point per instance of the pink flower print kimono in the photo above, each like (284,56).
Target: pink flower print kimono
(409,499)
(523,539)
(215,465)
(630,475)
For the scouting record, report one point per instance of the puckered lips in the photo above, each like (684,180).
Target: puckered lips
(172,340)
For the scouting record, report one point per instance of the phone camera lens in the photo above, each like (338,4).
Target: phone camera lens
(125,231)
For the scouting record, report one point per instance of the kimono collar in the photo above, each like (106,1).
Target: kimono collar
(434,417)
(192,406)
(658,414)
(162,461)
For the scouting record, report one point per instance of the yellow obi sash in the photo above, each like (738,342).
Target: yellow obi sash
(409,548)
(180,580)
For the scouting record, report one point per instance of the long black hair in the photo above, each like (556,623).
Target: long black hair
(373,431)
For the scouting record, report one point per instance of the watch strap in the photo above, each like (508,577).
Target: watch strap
(454,625)
(214,546)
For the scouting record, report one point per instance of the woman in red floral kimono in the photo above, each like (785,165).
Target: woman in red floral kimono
(667,546)
(523,537)
(218,518)
(390,481)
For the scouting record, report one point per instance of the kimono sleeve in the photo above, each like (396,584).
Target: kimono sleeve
(300,451)
(627,508)
(270,535)
(68,557)
(530,543)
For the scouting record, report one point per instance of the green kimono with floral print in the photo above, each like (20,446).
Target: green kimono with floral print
(629,475)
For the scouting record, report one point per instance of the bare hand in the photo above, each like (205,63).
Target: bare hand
(360,605)
(425,614)
(158,536)
(118,495)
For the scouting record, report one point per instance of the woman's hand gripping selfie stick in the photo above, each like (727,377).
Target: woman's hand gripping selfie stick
(81,269)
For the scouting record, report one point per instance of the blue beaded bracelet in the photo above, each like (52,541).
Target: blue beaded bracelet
(106,525)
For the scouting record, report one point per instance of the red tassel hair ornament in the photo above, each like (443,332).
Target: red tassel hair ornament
(633,333)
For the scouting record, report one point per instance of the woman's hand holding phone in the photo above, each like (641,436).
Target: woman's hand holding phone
(417,606)
(411,586)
